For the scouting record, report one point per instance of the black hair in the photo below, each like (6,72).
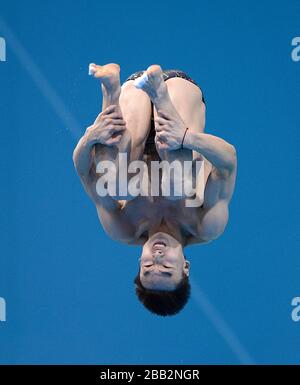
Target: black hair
(164,303)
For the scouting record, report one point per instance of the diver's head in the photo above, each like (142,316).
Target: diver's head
(162,263)
(162,284)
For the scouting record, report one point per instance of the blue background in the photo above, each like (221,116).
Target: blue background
(68,287)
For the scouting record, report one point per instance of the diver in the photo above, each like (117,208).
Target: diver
(157,115)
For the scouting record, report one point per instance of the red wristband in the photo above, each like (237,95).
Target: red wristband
(184,137)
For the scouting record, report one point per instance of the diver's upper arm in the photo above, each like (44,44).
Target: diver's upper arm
(89,182)
(218,192)
(116,224)
(214,221)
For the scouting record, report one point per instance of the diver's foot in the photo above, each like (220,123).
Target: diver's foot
(153,84)
(109,75)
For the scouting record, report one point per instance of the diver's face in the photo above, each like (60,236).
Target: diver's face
(162,263)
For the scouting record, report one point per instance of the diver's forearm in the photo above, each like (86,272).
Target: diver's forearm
(216,150)
(83,156)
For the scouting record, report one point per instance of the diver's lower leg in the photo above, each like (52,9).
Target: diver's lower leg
(109,76)
(156,88)
(136,111)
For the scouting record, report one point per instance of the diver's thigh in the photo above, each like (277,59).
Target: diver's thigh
(188,100)
(136,109)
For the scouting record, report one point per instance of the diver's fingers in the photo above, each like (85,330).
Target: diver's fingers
(114,140)
(164,114)
(108,110)
(161,145)
(116,129)
(160,120)
(161,136)
(158,128)
(89,128)
(114,115)
(115,122)
(162,127)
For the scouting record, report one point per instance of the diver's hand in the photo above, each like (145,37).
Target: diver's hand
(170,130)
(108,128)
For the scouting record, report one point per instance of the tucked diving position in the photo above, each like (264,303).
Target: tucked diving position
(157,115)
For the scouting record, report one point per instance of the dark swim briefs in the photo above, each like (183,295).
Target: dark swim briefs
(167,74)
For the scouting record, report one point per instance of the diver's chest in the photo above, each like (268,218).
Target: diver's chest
(156,208)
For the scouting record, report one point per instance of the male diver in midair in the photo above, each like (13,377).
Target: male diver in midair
(149,122)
